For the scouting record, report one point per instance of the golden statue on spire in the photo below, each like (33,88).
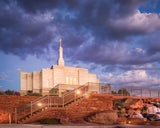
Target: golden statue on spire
(60,41)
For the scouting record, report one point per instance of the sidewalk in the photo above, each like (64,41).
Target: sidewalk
(74,126)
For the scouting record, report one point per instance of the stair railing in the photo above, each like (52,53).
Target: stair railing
(32,107)
(45,102)
(75,94)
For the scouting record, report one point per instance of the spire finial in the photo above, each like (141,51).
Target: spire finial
(60,60)
(60,41)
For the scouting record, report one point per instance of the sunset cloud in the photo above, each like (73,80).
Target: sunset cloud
(137,78)
(115,36)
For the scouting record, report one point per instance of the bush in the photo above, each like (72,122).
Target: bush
(123,92)
(9,92)
(120,103)
(1,93)
(50,121)
(30,93)
(17,93)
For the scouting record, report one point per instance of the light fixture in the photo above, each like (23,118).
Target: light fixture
(39,104)
(78,92)
(129,122)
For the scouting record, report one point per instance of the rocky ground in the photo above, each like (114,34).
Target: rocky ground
(138,111)
(127,111)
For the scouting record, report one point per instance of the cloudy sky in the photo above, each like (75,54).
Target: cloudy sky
(119,40)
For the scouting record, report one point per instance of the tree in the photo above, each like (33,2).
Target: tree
(1,93)
(114,92)
(9,92)
(124,92)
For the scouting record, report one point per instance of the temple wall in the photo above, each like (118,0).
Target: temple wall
(71,75)
(47,80)
(23,81)
(26,82)
(37,82)
(42,82)
(59,76)
(83,76)
(29,81)
(93,78)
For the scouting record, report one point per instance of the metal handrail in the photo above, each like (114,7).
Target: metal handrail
(29,109)
(38,99)
(73,94)
(76,89)
(42,98)
(45,101)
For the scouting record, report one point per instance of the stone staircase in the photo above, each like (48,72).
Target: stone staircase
(42,105)
(58,112)
(81,108)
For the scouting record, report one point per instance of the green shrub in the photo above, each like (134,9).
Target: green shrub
(9,92)
(119,113)
(144,109)
(120,103)
(124,92)
(65,91)
(50,121)
(30,93)
(1,93)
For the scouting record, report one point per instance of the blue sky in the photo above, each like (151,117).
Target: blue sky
(116,39)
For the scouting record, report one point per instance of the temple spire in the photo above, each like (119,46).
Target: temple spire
(60,42)
(60,60)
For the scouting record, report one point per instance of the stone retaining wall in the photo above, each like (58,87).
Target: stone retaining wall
(9,103)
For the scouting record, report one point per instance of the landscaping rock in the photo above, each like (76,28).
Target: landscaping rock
(122,120)
(105,117)
(64,120)
(134,103)
(136,115)
(152,109)
(154,117)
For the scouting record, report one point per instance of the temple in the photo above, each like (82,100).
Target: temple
(58,77)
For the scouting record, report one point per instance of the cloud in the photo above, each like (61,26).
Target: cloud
(102,32)
(3,76)
(137,78)
(34,6)
(138,23)
(114,53)
(24,33)
(18,70)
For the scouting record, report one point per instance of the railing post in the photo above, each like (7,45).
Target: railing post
(48,102)
(31,108)
(131,91)
(50,99)
(141,92)
(63,101)
(74,95)
(158,93)
(9,116)
(16,115)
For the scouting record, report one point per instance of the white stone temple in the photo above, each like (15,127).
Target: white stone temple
(59,76)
